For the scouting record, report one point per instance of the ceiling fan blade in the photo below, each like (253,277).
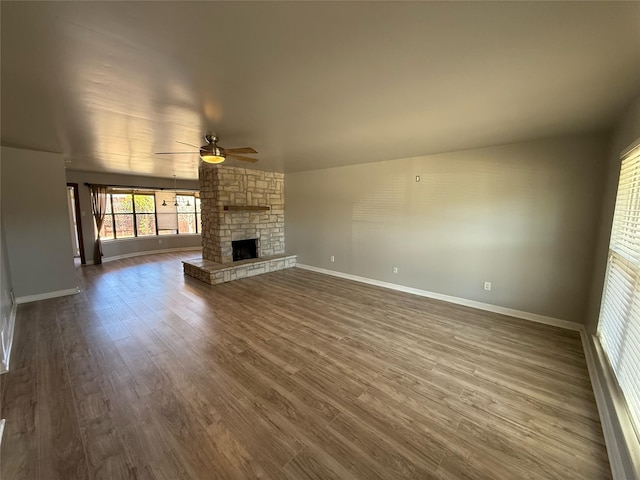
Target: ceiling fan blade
(240,157)
(188,144)
(240,150)
(175,153)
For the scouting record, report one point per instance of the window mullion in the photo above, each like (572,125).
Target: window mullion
(155,213)
(113,218)
(135,220)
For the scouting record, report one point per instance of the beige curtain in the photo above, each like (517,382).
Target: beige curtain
(99,207)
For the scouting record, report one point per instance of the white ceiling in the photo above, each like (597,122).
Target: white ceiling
(309,85)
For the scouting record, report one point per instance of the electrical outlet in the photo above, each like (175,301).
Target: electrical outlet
(487,286)
(333,259)
(395,269)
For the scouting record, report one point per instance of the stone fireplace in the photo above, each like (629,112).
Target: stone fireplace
(242,224)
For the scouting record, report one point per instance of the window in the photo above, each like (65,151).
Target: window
(167,213)
(140,214)
(107,231)
(186,214)
(619,323)
(122,207)
(145,208)
(189,218)
(198,215)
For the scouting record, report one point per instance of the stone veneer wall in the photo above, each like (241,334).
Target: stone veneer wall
(220,186)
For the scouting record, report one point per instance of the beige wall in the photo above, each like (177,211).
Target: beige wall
(6,305)
(5,275)
(521,216)
(36,222)
(626,133)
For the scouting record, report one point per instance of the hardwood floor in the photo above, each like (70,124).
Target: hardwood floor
(152,375)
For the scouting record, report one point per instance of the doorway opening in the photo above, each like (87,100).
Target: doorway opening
(73,204)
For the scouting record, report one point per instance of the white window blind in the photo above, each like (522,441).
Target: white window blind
(167,213)
(619,324)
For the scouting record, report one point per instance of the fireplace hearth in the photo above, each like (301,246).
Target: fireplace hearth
(245,249)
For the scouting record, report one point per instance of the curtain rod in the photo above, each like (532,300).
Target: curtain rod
(138,187)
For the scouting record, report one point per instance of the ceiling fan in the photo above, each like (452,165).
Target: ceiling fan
(212,153)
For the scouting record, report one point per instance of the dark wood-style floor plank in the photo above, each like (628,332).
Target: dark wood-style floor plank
(62,454)
(148,374)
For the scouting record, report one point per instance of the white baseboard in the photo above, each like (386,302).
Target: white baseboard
(623,446)
(149,252)
(8,340)
(1,430)
(534,317)
(47,295)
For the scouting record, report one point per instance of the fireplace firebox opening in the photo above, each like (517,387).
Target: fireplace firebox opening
(245,249)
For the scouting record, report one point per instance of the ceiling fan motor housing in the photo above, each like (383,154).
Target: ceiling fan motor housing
(211,153)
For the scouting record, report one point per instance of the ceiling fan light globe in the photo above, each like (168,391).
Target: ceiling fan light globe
(211,158)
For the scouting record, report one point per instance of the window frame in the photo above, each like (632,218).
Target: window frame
(111,217)
(617,319)
(194,212)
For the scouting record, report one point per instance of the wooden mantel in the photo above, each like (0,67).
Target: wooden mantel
(246,208)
